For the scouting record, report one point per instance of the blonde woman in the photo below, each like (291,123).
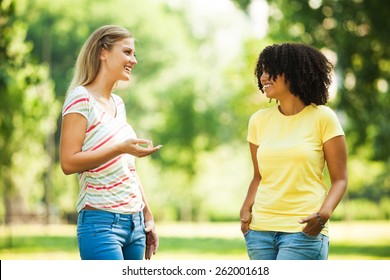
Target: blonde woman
(100,146)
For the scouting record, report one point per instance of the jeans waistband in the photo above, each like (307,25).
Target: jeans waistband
(107,216)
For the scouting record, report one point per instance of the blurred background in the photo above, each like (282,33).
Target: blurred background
(193,91)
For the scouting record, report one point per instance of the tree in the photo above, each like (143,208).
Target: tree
(356,31)
(27,115)
(168,98)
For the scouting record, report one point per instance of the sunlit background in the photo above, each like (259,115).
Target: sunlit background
(193,91)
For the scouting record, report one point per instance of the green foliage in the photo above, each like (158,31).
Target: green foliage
(245,97)
(354,36)
(242,4)
(362,209)
(355,32)
(349,241)
(186,94)
(27,115)
(173,97)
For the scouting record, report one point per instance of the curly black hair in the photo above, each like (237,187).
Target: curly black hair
(306,70)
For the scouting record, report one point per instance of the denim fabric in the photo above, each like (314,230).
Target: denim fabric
(271,245)
(104,235)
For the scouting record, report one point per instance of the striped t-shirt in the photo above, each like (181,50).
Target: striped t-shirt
(112,186)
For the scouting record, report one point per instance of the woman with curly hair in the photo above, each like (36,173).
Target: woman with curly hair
(288,204)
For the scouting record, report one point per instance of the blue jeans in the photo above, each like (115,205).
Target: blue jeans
(271,245)
(104,235)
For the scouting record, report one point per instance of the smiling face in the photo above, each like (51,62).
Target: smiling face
(118,62)
(275,89)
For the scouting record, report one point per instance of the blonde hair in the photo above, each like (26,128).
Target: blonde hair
(88,60)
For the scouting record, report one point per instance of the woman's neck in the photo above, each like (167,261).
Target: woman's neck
(101,88)
(291,106)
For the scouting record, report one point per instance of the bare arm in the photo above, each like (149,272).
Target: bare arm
(74,160)
(335,151)
(246,209)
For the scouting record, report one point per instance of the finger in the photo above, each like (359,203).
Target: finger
(304,220)
(140,141)
(148,151)
(148,253)
(151,251)
(244,229)
(246,218)
(149,144)
(155,247)
(158,147)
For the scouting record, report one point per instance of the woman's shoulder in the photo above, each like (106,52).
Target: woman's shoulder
(324,114)
(322,110)
(76,99)
(78,92)
(263,113)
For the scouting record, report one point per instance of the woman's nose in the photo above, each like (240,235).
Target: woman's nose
(264,76)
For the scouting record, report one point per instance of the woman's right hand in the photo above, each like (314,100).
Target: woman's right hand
(133,147)
(246,217)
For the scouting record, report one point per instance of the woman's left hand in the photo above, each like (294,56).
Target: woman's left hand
(151,239)
(313,227)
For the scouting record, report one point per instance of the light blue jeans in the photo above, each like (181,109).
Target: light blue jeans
(104,235)
(271,245)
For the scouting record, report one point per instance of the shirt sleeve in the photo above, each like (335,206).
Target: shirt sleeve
(330,125)
(252,130)
(76,101)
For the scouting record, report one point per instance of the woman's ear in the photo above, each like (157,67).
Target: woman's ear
(103,54)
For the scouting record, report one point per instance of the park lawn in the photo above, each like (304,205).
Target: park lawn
(192,241)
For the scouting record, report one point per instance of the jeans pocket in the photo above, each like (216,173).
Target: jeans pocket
(247,233)
(311,237)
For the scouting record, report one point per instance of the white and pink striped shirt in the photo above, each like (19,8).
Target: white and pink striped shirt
(112,186)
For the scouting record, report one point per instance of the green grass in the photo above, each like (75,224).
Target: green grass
(186,241)
(380,251)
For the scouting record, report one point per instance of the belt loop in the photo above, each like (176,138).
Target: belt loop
(134,218)
(117,218)
(81,216)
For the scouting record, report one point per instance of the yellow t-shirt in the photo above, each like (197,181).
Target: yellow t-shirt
(291,162)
